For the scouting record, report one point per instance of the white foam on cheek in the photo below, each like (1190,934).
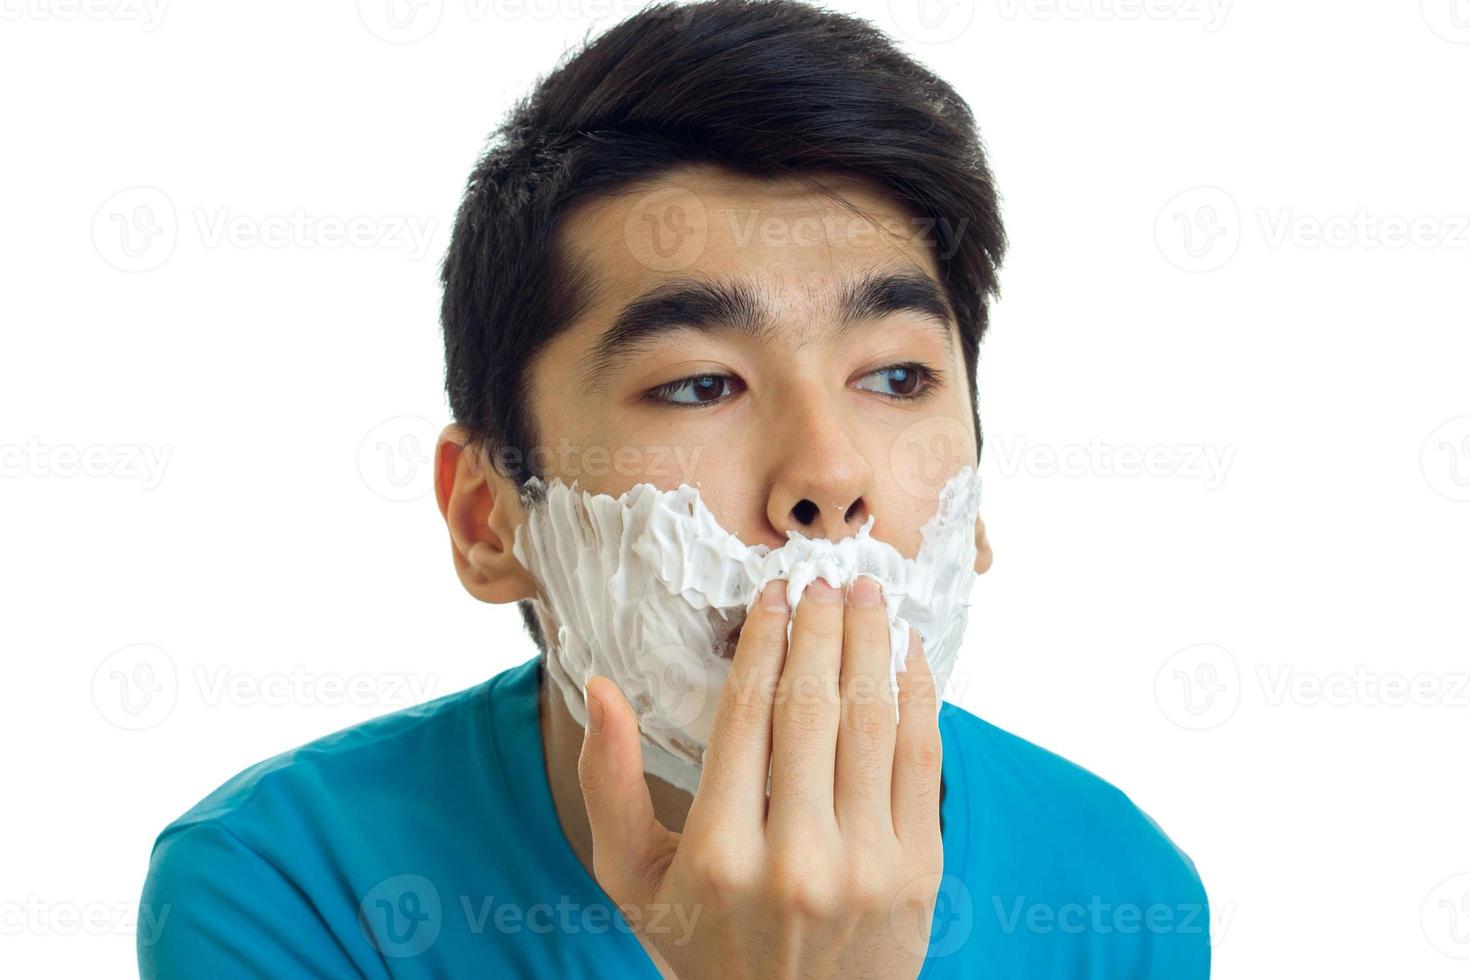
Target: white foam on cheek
(646,588)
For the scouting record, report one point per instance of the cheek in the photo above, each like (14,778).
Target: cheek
(738,507)
(612,455)
(902,531)
(602,463)
(907,498)
(622,464)
(912,459)
(927,452)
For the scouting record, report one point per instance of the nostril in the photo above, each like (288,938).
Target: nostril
(805,512)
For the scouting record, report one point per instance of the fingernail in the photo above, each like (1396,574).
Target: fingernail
(773,596)
(594,713)
(821,591)
(864,591)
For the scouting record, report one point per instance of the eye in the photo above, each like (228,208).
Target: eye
(905,382)
(700,389)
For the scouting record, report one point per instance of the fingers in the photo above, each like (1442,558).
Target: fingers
(627,840)
(867,730)
(805,717)
(737,758)
(917,753)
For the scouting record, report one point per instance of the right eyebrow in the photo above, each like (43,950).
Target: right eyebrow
(704,306)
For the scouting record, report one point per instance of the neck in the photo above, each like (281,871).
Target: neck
(561,742)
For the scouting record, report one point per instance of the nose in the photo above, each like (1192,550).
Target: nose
(823,483)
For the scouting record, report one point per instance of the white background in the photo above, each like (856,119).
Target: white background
(214,445)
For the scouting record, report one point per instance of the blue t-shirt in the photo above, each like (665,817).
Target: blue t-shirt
(424,843)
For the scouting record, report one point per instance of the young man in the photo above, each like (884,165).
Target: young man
(748,247)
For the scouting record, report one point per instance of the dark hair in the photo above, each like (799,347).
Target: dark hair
(770,88)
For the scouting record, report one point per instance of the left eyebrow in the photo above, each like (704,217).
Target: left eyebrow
(736,306)
(879,294)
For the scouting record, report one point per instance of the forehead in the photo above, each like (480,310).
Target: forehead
(800,242)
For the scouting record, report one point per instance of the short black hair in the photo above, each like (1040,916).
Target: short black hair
(768,88)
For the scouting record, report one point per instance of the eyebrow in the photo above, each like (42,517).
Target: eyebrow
(736,306)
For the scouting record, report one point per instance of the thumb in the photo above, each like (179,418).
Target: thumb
(628,843)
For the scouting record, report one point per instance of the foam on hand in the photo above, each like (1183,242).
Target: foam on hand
(648,590)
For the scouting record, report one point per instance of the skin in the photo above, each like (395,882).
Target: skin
(835,874)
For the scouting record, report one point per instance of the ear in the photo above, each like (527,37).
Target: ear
(482,510)
(983,557)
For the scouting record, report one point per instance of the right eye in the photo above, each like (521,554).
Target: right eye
(698,389)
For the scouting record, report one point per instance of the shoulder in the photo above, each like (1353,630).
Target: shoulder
(1016,784)
(1054,855)
(260,877)
(363,759)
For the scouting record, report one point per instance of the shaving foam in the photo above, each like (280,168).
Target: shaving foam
(648,590)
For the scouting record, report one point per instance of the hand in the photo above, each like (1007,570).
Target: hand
(835,875)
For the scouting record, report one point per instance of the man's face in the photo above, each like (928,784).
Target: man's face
(827,388)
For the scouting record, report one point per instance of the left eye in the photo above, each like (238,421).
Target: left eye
(898,381)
